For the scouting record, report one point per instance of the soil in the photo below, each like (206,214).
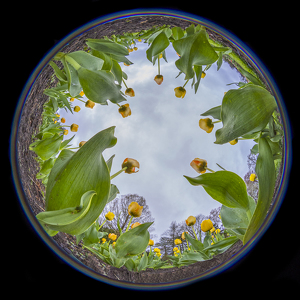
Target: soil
(28,167)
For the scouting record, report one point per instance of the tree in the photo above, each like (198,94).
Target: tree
(252,186)
(119,207)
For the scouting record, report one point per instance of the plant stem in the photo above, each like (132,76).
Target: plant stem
(102,224)
(81,100)
(118,104)
(72,62)
(119,172)
(209,169)
(216,121)
(125,83)
(158,63)
(185,83)
(129,224)
(73,148)
(194,232)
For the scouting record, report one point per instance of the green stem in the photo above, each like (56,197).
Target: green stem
(185,83)
(102,224)
(125,83)
(73,148)
(116,174)
(81,100)
(129,224)
(158,65)
(194,232)
(216,122)
(118,104)
(72,62)
(209,169)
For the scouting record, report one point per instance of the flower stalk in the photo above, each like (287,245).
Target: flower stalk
(116,174)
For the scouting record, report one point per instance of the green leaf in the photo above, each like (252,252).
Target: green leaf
(117,71)
(250,77)
(74,86)
(65,143)
(57,219)
(215,112)
(194,50)
(143,262)
(99,86)
(265,170)
(244,111)
(47,166)
(197,245)
(48,147)
(86,60)
(223,245)
(74,174)
(159,44)
(106,46)
(177,33)
(58,72)
(190,258)
(92,236)
(224,186)
(134,241)
(117,261)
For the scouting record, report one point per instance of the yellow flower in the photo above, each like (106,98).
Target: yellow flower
(57,115)
(206,225)
(112,236)
(81,93)
(135,225)
(130,50)
(125,110)
(206,124)
(72,99)
(180,92)
(135,48)
(113,244)
(218,230)
(177,241)
(76,108)
(203,74)
(74,127)
(156,250)
(63,120)
(212,230)
(89,104)
(82,143)
(190,221)
(130,92)
(175,254)
(199,165)
(212,243)
(103,240)
(158,254)
(233,142)
(175,249)
(183,235)
(151,242)
(139,40)
(134,209)
(252,177)
(158,79)
(126,64)
(109,216)
(66,131)
(131,164)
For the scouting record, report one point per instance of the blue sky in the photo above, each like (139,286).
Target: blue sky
(163,134)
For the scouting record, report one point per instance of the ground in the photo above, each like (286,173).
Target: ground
(28,167)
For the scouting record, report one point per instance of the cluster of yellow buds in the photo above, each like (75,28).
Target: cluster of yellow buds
(176,251)
(157,252)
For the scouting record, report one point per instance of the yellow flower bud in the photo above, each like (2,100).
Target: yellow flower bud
(57,115)
(212,230)
(113,244)
(81,143)
(156,250)
(72,99)
(139,40)
(160,55)
(175,249)
(66,131)
(131,164)
(158,79)
(63,120)
(135,225)
(89,104)
(183,235)
(74,127)
(158,254)
(81,93)
(199,165)
(125,110)
(126,64)
(177,241)
(190,221)
(76,108)
(206,124)
(103,240)
(112,236)
(135,210)
(151,242)
(180,92)
(218,230)
(233,142)
(206,225)
(109,216)
(203,74)
(135,48)
(130,92)
(252,177)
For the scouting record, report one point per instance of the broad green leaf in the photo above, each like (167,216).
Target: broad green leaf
(143,262)
(86,60)
(117,261)
(224,186)
(222,245)
(74,86)
(117,71)
(48,147)
(92,236)
(99,86)
(194,50)
(265,170)
(47,166)
(244,111)
(197,245)
(134,241)
(159,44)
(106,46)
(190,258)
(113,193)
(198,72)
(58,72)
(65,143)
(65,101)
(74,174)
(58,219)
(250,77)
(215,112)
(177,33)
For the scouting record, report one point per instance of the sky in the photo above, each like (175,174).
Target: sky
(164,136)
